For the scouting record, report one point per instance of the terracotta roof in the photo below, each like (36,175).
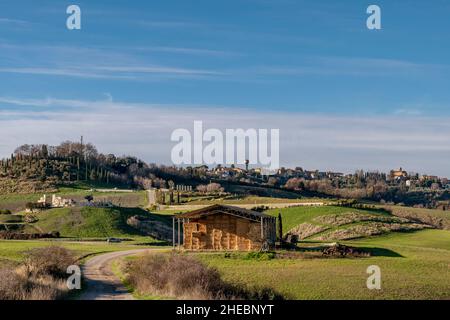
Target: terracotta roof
(232,210)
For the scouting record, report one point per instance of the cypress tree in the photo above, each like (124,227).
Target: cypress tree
(280,227)
(78,169)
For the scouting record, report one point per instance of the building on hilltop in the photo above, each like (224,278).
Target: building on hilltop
(59,202)
(56,202)
(398,174)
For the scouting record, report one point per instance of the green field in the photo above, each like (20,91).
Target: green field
(252,200)
(93,225)
(14,250)
(88,222)
(10,218)
(170,212)
(413,266)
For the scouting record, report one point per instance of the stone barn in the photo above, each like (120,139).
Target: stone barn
(221,227)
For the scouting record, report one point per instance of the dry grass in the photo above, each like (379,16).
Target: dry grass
(40,277)
(305,230)
(369,229)
(184,277)
(438,218)
(52,260)
(353,217)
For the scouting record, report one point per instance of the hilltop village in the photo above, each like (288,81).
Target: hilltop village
(41,168)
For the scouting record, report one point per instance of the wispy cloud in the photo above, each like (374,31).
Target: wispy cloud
(410,112)
(352,66)
(188,51)
(167,24)
(98,62)
(78,73)
(94,62)
(157,69)
(14,22)
(111,72)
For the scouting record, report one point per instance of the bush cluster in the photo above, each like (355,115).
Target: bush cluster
(40,277)
(184,277)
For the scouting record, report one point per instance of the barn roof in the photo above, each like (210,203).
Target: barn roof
(231,210)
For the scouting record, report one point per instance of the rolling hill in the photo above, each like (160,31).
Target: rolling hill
(341,223)
(88,222)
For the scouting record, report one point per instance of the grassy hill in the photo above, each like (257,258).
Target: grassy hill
(340,223)
(88,222)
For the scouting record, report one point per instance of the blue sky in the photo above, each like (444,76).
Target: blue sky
(299,59)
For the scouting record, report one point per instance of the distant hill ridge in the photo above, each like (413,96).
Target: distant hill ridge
(41,168)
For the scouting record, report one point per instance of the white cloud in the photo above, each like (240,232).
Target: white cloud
(410,112)
(352,66)
(14,21)
(113,72)
(188,51)
(156,69)
(78,73)
(343,143)
(93,62)
(168,24)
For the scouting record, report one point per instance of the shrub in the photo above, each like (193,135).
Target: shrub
(5,211)
(29,218)
(260,208)
(11,285)
(172,276)
(36,206)
(55,234)
(186,278)
(17,286)
(260,256)
(13,235)
(52,260)
(41,277)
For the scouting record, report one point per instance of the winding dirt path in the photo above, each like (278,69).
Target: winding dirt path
(101,283)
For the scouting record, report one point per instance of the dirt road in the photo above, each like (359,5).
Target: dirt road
(100,281)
